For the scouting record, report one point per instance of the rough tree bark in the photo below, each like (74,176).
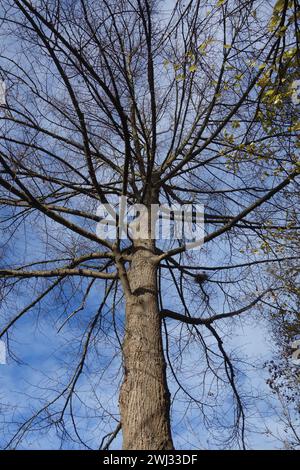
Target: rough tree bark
(144,396)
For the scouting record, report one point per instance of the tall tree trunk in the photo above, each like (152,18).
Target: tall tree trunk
(144,396)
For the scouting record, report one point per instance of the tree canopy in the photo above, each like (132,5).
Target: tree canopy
(186,102)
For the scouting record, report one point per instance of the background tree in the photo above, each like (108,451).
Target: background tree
(284,371)
(184,103)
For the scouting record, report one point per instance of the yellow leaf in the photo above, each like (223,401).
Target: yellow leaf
(263,81)
(221,2)
(270,92)
(193,68)
(278,99)
(202,48)
(273,23)
(191,56)
(281,31)
(296,127)
(279,6)
(290,53)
